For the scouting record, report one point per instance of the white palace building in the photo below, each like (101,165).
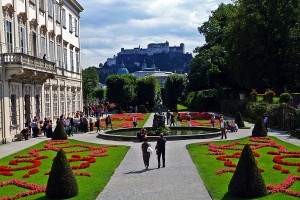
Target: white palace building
(40,72)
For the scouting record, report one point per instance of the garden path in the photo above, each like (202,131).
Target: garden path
(179,180)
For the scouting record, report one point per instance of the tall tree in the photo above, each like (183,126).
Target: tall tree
(90,82)
(209,68)
(174,88)
(121,89)
(148,90)
(259,42)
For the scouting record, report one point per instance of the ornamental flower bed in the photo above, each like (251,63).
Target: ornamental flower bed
(124,120)
(31,166)
(285,165)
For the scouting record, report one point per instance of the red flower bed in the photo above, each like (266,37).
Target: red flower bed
(277,167)
(33,189)
(257,143)
(33,171)
(282,187)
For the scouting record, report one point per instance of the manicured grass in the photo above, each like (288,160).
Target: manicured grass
(89,187)
(181,108)
(217,185)
(260,98)
(295,133)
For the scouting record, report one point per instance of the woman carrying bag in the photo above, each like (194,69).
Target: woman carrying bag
(146,149)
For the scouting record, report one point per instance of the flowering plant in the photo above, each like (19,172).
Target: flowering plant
(254,92)
(270,93)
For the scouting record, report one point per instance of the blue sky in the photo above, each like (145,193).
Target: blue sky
(109,25)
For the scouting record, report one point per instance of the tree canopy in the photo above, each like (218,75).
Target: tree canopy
(174,89)
(90,82)
(249,44)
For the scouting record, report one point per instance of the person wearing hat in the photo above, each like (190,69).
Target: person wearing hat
(223,128)
(161,149)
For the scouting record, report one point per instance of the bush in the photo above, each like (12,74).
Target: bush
(59,132)
(285,98)
(247,181)
(239,120)
(259,129)
(62,183)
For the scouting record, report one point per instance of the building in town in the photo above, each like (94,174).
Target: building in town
(40,72)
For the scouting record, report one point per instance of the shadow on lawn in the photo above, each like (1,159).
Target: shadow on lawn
(227,196)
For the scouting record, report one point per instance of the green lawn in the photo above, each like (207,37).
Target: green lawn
(89,187)
(181,108)
(217,185)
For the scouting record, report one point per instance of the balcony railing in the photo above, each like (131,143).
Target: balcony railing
(27,60)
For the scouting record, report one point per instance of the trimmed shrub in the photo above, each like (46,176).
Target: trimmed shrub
(62,183)
(239,120)
(259,129)
(59,132)
(247,180)
(285,98)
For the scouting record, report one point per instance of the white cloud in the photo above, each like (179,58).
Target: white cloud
(109,25)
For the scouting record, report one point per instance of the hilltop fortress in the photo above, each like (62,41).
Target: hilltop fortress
(163,55)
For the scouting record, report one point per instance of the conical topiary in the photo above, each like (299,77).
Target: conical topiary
(59,132)
(62,183)
(239,120)
(259,129)
(247,181)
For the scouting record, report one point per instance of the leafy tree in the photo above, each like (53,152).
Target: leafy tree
(247,181)
(174,87)
(62,183)
(148,90)
(260,41)
(121,89)
(90,82)
(99,93)
(209,68)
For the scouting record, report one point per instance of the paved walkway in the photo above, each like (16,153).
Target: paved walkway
(178,180)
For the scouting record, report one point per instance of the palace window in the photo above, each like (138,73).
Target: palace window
(59,55)
(47,105)
(73,102)
(57,8)
(76,27)
(13,109)
(22,36)
(70,24)
(66,57)
(79,102)
(51,49)
(37,106)
(64,20)
(72,60)
(62,103)
(32,2)
(50,8)
(42,5)
(9,36)
(77,62)
(55,113)
(43,45)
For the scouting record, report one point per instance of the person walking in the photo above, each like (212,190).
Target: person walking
(188,120)
(212,120)
(134,121)
(146,154)
(178,120)
(98,124)
(161,149)
(168,117)
(223,128)
(172,119)
(91,123)
(108,122)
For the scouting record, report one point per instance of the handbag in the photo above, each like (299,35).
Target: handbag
(150,150)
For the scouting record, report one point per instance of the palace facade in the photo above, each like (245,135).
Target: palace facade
(40,72)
